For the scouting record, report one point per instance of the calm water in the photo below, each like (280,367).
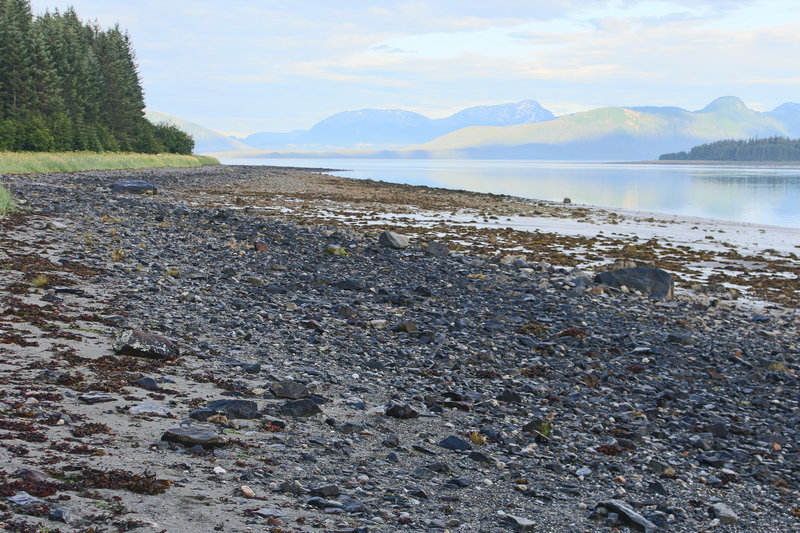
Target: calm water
(760,195)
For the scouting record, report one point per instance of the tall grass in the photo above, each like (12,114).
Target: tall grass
(38,162)
(7,204)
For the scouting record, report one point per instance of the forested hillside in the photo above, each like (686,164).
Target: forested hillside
(770,149)
(68,85)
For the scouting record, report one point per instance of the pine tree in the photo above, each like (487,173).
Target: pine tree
(16,58)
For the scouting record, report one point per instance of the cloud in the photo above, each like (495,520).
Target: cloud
(280,62)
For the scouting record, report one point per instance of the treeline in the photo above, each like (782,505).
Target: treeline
(66,85)
(770,149)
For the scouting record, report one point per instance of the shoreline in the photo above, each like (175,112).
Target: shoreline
(725,252)
(703,162)
(380,389)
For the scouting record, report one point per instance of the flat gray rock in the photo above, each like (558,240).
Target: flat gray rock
(394,240)
(289,389)
(300,408)
(205,435)
(437,249)
(245,409)
(724,513)
(652,282)
(628,515)
(147,408)
(96,397)
(140,343)
(519,523)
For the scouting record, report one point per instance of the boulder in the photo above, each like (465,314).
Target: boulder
(205,435)
(437,249)
(145,344)
(652,282)
(246,409)
(394,240)
(134,186)
(289,389)
(300,408)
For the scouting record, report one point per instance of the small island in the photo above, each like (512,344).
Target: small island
(771,149)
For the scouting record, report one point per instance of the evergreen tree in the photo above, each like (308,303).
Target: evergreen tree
(68,85)
(16,54)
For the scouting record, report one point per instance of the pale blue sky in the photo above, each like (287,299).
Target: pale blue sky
(246,66)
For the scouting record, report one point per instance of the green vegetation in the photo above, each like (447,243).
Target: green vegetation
(66,85)
(7,204)
(770,149)
(38,162)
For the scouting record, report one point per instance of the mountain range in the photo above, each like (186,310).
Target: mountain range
(522,130)
(381,129)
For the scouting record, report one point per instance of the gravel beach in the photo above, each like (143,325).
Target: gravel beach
(266,349)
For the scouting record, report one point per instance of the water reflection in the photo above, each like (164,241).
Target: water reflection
(764,195)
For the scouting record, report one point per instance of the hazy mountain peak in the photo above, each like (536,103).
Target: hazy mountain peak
(501,114)
(787,107)
(725,103)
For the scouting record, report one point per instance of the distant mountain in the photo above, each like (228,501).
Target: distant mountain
(789,115)
(205,140)
(379,129)
(616,133)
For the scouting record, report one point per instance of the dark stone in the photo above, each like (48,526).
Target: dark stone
(653,282)
(509,396)
(134,186)
(145,344)
(146,383)
(454,443)
(230,408)
(300,408)
(60,515)
(350,285)
(353,506)
(479,457)
(255,368)
(289,389)
(628,515)
(205,435)
(403,411)
(96,397)
(326,491)
(405,327)
(437,249)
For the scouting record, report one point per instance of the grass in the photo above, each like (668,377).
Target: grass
(38,162)
(7,204)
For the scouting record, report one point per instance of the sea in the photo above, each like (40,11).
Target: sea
(763,194)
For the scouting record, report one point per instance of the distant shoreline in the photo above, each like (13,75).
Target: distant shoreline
(685,162)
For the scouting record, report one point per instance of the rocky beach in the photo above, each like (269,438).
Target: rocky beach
(237,348)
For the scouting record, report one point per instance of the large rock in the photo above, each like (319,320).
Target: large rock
(394,240)
(205,435)
(145,344)
(289,389)
(653,282)
(300,408)
(230,408)
(724,513)
(628,515)
(134,186)
(437,249)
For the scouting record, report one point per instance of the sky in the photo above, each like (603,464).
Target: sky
(241,67)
